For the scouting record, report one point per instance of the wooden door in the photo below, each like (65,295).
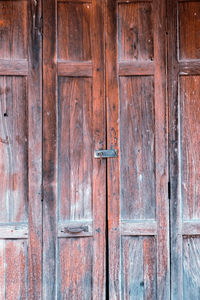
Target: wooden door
(117,74)
(74,211)
(184,97)
(20,150)
(138,214)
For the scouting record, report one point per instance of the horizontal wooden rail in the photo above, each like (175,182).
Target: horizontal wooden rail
(138,228)
(76,1)
(128,68)
(130,1)
(189,67)
(191,228)
(13,67)
(76,69)
(17,231)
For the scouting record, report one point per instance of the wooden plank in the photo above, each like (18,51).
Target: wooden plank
(189,115)
(75,268)
(132,1)
(137,147)
(138,228)
(13,67)
(189,27)
(191,270)
(75,229)
(35,150)
(14,28)
(49,147)
(76,1)
(17,231)
(2,269)
(161,150)
(131,68)
(135,31)
(174,155)
(99,142)
(74,35)
(75,69)
(13,143)
(150,280)
(191,228)
(113,198)
(132,268)
(16,276)
(189,68)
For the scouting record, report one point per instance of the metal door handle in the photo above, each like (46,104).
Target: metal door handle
(75,229)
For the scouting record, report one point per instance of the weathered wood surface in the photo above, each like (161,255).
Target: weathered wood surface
(137,124)
(184,111)
(74,126)
(21,150)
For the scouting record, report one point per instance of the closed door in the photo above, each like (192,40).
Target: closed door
(78,77)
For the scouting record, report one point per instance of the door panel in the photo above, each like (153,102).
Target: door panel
(138,222)
(20,150)
(184,93)
(74,126)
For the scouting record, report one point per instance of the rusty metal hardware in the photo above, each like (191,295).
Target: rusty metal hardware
(75,229)
(105,153)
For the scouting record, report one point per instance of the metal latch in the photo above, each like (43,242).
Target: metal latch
(105,153)
(75,229)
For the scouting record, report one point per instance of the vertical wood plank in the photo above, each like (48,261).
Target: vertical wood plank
(16,270)
(13,29)
(161,148)
(99,138)
(174,154)
(49,147)
(112,96)
(132,268)
(137,148)
(2,270)
(35,149)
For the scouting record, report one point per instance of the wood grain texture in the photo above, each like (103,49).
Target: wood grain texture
(99,142)
(174,154)
(74,39)
(138,227)
(135,33)
(13,270)
(191,268)
(113,180)
(137,155)
(127,68)
(34,82)
(189,67)
(74,125)
(74,69)
(139,268)
(49,147)
(156,107)
(161,150)
(17,231)
(75,155)
(13,67)
(14,149)
(13,29)
(190,123)
(75,269)
(189,24)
